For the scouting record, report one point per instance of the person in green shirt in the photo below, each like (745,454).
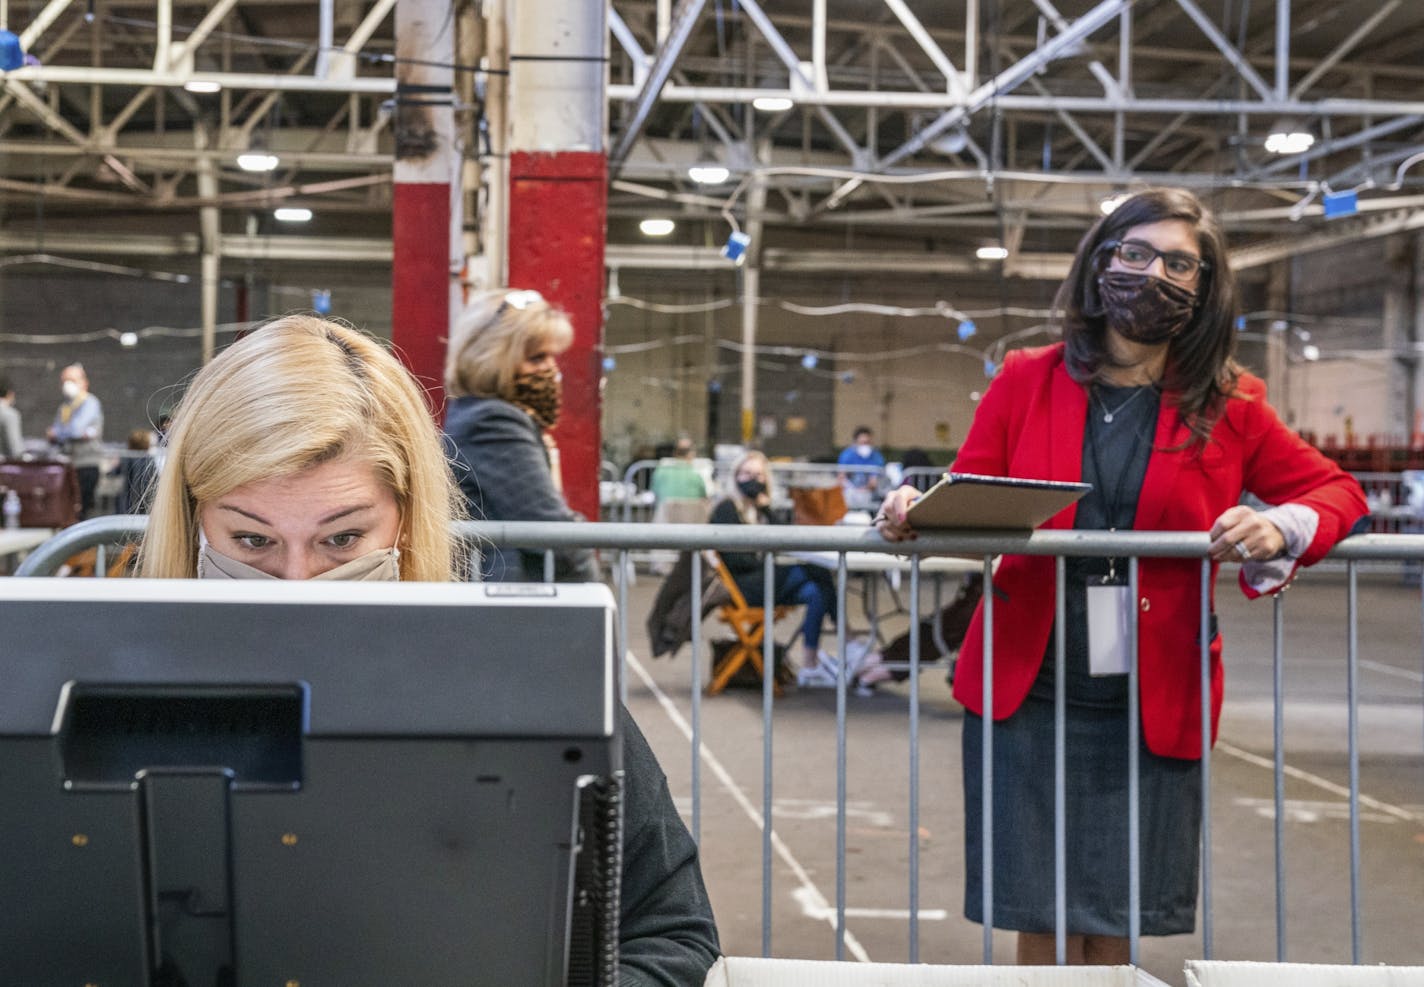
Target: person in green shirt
(677,478)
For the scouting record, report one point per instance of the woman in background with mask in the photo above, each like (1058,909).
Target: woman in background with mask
(1144,400)
(503,380)
(748,501)
(305,451)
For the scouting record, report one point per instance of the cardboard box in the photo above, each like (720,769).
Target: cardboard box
(745,971)
(1214,973)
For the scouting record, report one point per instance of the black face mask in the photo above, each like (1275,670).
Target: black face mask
(751,489)
(1145,309)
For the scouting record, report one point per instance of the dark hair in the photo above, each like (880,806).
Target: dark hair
(861,430)
(1200,359)
(5,386)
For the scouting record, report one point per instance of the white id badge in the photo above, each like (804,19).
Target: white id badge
(1109,604)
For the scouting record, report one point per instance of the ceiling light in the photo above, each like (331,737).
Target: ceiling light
(1111,202)
(708,173)
(1289,141)
(1311,352)
(258,161)
(128,340)
(992,253)
(772,104)
(292,214)
(656,226)
(202,86)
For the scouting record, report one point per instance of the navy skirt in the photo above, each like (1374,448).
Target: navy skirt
(1096,826)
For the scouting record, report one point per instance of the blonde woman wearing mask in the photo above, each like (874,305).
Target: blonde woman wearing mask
(502,376)
(305,451)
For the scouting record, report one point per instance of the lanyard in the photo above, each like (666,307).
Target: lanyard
(1111,506)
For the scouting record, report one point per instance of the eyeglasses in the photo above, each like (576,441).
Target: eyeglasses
(1138,256)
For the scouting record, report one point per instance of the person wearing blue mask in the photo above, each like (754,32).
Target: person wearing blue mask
(306,451)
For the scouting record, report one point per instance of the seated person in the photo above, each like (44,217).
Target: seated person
(137,469)
(748,502)
(305,451)
(680,490)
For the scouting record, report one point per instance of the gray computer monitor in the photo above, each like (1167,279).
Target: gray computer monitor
(256,783)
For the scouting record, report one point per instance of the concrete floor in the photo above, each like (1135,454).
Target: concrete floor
(1317,884)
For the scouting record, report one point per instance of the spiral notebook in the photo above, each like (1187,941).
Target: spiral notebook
(969,500)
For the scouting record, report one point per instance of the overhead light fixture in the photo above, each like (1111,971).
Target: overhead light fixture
(1111,202)
(292,214)
(128,340)
(992,253)
(709,173)
(202,86)
(772,104)
(656,226)
(258,161)
(1289,137)
(1311,352)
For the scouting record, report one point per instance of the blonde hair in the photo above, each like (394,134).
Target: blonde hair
(491,339)
(745,507)
(298,392)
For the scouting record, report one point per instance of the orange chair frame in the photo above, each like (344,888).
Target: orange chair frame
(747,622)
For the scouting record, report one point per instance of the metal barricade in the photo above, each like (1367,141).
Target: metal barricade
(844,543)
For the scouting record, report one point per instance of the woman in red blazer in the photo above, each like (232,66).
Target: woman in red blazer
(1143,400)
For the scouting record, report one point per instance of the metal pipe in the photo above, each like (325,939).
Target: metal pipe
(819,79)
(841,582)
(1283,20)
(1237,60)
(971,42)
(163,36)
(39,25)
(1060,763)
(915,645)
(1205,632)
(986,769)
(1009,101)
(669,50)
(954,83)
(325,36)
(1352,688)
(759,538)
(1344,48)
(767,686)
(1134,782)
(1279,768)
(622,642)
(695,591)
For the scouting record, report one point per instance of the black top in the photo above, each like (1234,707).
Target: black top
(666,936)
(1115,455)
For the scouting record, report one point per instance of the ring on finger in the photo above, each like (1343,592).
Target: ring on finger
(1242,550)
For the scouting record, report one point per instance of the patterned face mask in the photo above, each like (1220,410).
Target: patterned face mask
(540,393)
(1145,309)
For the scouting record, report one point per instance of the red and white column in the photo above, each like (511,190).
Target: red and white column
(558,195)
(426,215)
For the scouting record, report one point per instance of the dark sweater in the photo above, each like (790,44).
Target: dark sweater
(503,470)
(667,936)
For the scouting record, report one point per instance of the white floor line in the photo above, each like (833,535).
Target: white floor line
(1404,673)
(813,901)
(1318,782)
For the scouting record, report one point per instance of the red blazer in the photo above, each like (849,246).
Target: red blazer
(1030,423)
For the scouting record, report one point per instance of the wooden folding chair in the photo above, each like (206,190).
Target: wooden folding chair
(747,622)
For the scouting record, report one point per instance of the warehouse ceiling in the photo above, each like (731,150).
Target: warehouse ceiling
(917,132)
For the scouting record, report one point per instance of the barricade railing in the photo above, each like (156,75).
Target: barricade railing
(983,546)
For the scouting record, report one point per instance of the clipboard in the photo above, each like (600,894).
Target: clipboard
(970,500)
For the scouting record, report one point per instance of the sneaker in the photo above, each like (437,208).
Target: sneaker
(822,676)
